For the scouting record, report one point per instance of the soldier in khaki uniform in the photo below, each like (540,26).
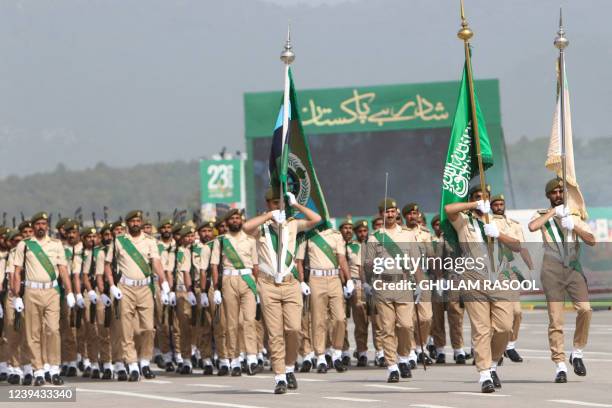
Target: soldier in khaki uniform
(220,322)
(166,246)
(490,312)
(280,289)
(445,301)
(4,352)
(43,258)
(514,229)
(413,216)
(203,335)
(560,225)
(105,319)
(326,256)
(395,307)
(137,258)
(234,257)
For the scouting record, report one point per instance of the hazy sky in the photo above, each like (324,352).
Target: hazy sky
(124,82)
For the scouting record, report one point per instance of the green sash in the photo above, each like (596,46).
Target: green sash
(289,257)
(196,250)
(160,248)
(44,260)
(480,225)
(575,264)
(322,244)
(137,257)
(230,253)
(354,247)
(392,248)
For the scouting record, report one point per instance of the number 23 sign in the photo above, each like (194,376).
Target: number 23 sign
(220,181)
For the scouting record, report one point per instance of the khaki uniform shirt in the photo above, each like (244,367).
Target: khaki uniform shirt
(100,259)
(267,256)
(316,257)
(183,264)
(166,253)
(353,255)
(72,254)
(125,264)
(245,247)
(34,270)
(3,259)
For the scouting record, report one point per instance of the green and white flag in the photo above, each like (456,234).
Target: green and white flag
(461,160)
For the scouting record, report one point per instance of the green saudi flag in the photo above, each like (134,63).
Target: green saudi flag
(461,160)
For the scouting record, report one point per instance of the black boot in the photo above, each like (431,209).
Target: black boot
(252,369)
(223,371)
(329,361)
(47,376)
(27,379)
(322,368)
(107,374)
(122,375)
(441,359)
(412,364)
(339,366)
(362,361)
(38,381)
(306,366)
(63,371)
(71,372)
(513,355)
(3,377)
(244,367)
(186,369)
(56,380)
(578,364)
(147,373)
(236,372)
(95,374)
(169,367)
(393,377)
(422,356)
(280,388)
(134,376)
(487,387)
(81,366)
(291,381)
(159,360)
(346,361)
(208,370)
(460,359)
(86,372)
(433,353)
(404,370)
(495,379)
(561,377)
(14,379)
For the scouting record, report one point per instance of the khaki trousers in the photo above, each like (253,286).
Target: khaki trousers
(42,316)
(518,317)
(92,337)
(136,313)
(305,334)
(162,336)
(360,318)
(455,323)
(491,324)
(377,332)
(238,300)
(116,331)
(281,306)
(18,352)
(68,334)
(425,317)
(183,324)
(556,281)
(326,294)
(395,322)
(219,328)
(202,332)
(104,338)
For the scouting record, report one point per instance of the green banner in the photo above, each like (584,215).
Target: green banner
(372,108)
(220,181)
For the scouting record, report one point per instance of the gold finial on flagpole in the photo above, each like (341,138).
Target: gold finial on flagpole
(561,41)
(465,33)
(288,56)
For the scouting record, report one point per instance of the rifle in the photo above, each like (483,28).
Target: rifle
(92,281)
(194,308)
(3,290)
(18,315)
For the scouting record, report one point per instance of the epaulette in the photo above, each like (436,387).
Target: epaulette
(513,221)
(542,211)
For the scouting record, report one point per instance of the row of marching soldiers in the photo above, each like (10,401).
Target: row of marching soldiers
(230,293)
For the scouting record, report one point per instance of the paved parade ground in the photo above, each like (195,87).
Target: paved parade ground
(524,384)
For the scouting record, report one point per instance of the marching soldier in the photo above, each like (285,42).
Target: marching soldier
(4,351)
(394,307)
(166,246)
(514,229)
(203,334)
(104,310)
(445,301)
(41,258)
(490,312)
(234,269)
(279,289)
(562,230)
(358,300)
(326,256)
(218,311)
(413,216)
(135,253)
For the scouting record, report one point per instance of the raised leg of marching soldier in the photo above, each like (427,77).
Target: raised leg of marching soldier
(220,337)
(305,343)
(361,320)
(511,352)
(162,336)
(68,341)
(379,352)
(396,319)
(183,320)
(92,342)
(203,336)
(104,342)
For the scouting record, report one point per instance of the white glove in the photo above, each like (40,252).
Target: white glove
(279,216)
(164,298)
(93,296)
(567,222)
(305,288)
(491,230)
(217,297)
(116,292)
(105,300)
(439,290)
(483,206)
(165,287)
(192,299)
(349,289)
(367,289)
(1,312)
(80,302)
(291,198)
(172,298)
(204,300)
(561,211)
(70,300)
(18,305)
(417,294)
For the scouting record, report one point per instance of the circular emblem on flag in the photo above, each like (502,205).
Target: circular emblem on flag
(299,181)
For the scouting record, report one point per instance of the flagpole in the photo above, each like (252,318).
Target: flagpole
(561,42)
(287,56)
(465,34)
